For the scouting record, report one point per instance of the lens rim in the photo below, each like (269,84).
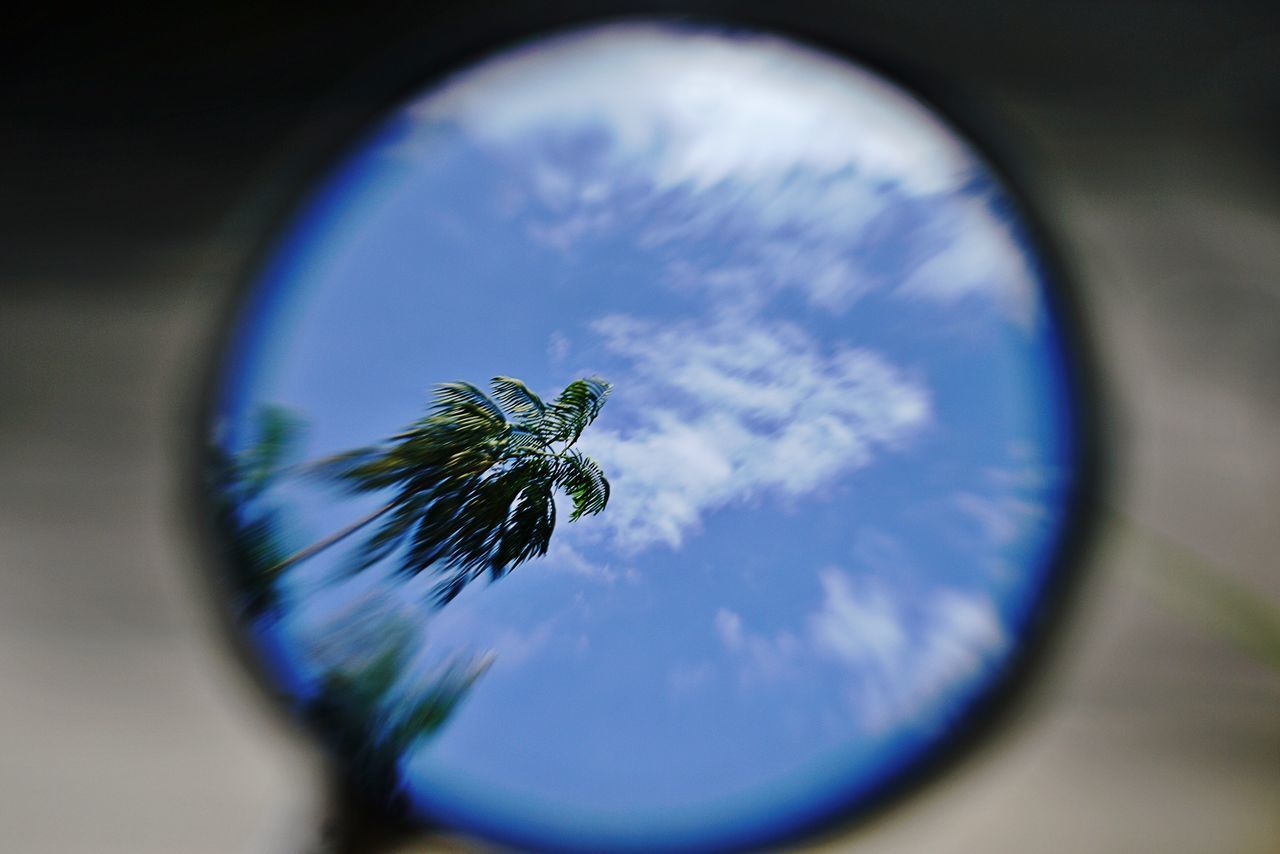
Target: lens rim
(417,61)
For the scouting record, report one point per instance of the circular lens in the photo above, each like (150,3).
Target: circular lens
(649,437)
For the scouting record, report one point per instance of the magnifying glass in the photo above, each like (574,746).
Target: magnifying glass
(653,436)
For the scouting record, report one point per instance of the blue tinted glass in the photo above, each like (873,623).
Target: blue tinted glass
(837,437)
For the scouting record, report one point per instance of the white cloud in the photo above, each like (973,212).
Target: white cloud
(978,255)
(791,156)
(562,557)
(763,657)
(1001,518)
(1011,500)
(904,652)
(859,627)
(729,627)
(908,655)
(704,107)
(735,410)
(558,347)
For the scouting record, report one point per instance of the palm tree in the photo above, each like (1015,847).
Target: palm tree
(474,481)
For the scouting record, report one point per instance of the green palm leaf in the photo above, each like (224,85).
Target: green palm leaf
(575,409)
(460,397)
(526,533)
(584,481)
(521,403)
(473,483)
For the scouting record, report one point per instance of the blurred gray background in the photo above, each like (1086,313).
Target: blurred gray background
(140,159)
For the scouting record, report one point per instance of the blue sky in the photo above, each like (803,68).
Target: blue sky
(837,438)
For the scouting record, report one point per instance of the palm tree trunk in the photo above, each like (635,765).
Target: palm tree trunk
(335,537)
(354,825)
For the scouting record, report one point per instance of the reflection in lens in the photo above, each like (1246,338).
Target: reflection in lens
(650,437)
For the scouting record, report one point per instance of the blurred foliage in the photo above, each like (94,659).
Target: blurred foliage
(251,529)
(371,717)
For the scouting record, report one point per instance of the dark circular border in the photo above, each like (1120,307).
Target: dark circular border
(448,39)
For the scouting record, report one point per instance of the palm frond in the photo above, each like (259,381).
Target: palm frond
(527,531)
(584,481)
(520,439)
(475,480)
(362,469)
(392,533)
(456,398)
(575,408)
(521,403)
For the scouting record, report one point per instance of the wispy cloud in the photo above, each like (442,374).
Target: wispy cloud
(861,627)
(729,627)
(977,254)
(558,346)
(1001,518)
(562,557)
(906,655)
(819,176)
(703,107)
(741,408)
(1011,501)
(764,656)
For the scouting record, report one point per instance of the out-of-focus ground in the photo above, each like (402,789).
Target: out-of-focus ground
(1149,138)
